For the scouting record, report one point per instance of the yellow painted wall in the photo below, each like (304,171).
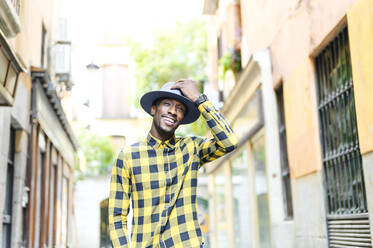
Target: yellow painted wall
(360,28)
(301,121)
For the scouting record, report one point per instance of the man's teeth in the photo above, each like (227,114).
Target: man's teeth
(170,120)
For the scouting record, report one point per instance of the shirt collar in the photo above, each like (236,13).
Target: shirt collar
(156,143)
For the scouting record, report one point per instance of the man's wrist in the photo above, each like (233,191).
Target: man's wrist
(201,99)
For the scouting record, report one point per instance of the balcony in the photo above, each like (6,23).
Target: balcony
(10,24)
(62,58)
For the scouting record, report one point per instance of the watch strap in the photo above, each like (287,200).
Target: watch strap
(201,99)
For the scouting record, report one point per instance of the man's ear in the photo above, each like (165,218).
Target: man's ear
(152,110)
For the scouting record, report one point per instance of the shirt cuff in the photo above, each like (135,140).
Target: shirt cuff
(206,106)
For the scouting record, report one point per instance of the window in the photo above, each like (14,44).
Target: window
(250,117)
(241,201)
(43,45)
(341,152)
(52,199)
(285,172)
(221,218)
(220,45)
(39,198)
(7,214)
(342,162)
(64,215)
(261,191)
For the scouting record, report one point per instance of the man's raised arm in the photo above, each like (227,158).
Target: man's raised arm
(224,140)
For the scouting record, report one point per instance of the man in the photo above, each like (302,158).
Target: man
(160,174)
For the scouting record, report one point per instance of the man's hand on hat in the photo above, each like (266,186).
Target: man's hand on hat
(188,87)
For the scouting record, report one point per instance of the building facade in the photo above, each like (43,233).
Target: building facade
(37,145)
(296,79)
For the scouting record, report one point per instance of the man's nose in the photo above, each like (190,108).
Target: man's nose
(172,109)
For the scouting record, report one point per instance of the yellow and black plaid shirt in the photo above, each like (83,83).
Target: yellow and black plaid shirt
(161,180)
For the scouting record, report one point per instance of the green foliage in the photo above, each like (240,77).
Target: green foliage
(231,60)
(177,53)
(98,153)
(224,64)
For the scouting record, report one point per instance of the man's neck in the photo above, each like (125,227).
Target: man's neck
(159,134)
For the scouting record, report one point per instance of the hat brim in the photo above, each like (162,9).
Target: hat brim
(147,100)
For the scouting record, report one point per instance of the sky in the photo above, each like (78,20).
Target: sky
(95,21)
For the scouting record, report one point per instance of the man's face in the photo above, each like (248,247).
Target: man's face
(168,115)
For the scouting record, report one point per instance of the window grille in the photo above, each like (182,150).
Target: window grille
(285,172)
(348,223)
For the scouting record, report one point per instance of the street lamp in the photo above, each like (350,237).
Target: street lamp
(92,67)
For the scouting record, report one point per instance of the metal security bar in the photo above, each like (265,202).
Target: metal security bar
(344,179)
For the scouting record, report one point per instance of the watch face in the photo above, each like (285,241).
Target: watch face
(202,98)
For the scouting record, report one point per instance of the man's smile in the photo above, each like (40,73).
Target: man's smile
(170,121)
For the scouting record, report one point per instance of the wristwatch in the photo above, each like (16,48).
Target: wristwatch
(201,99)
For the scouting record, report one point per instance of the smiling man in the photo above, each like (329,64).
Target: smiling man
(160,174)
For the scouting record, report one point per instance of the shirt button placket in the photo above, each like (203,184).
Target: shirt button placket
(167,197)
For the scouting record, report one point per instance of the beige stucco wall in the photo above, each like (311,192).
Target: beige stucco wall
(27,43)
(360,27)
(33,14)
(212,53)
(296,28)
(261,20)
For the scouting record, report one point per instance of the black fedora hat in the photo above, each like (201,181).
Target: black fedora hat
(148,99)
